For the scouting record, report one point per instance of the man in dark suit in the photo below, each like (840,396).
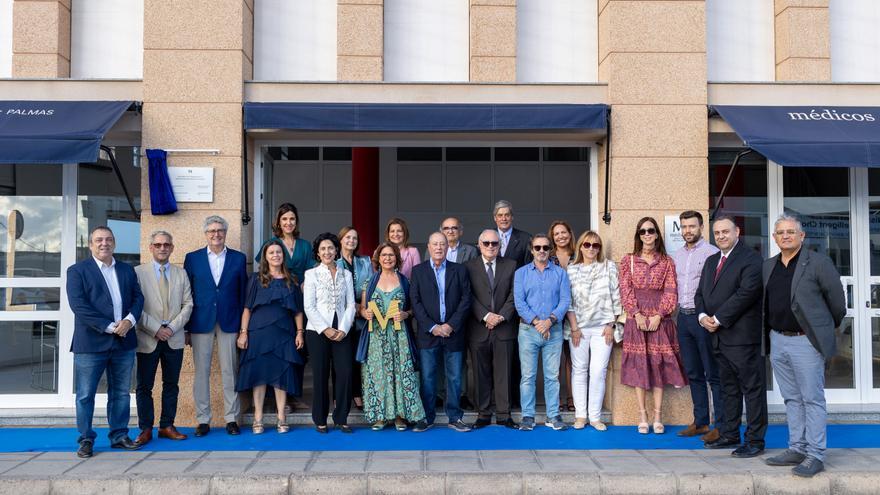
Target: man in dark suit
(804,304)
(441,298)
(106,302)
(515,243)
(218,276)
(728,302)
(492,329)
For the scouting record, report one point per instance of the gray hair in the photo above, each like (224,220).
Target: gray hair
(540,235)
(457,222)
(157,233)
(215,219)
(787,217)
(432,234)
(503,203)
(487,231)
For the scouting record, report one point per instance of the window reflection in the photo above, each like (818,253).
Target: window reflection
(746,195)
(29,357)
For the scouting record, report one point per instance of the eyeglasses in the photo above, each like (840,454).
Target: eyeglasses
(489,243)
(651,231)
(594,245)
(541,247)
(454,227)
(215,231)
(781,233)
(162,245)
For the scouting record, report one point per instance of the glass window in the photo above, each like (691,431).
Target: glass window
(426,40)
(468,154)
(565,154)
(516,154)
(338,154)
(294,40)
(101,201)
(739,40)
(419,154)
(107,39)
(746,195)
(29,357)
(557,41)
(30,220)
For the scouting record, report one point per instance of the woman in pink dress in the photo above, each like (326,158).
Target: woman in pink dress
(397,233)
(648,292)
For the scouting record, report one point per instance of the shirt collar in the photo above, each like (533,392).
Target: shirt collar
(698,245)
(435,267)
(158,265)
(485,261)
(212,252)
(725,255)
(102,265)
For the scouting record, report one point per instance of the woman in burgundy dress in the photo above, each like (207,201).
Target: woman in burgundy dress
(648,292)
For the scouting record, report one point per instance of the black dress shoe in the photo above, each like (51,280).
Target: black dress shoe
(508,423)
(721,443)
(85,449)
(745,451)
(126,444)
(232,428)
(345,428)
(202,429)
(482,423)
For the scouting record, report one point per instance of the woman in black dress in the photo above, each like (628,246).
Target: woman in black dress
(271,332)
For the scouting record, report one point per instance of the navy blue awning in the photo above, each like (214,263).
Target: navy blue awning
(55,131)
(404,117)
(818,136)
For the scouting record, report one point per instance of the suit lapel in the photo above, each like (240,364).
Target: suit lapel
(730,259)
(803,260)
(105,291)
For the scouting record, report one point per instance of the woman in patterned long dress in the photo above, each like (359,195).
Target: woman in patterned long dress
(390,383)
(651,358)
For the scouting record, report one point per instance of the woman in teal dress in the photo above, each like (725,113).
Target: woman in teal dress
(389,381)
(297,253)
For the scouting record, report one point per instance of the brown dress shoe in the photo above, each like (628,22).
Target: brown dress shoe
(693,430)
(711,436)
(145,437)
(171,433)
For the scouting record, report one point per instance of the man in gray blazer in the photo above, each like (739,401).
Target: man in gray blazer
(160,334)
(803,306)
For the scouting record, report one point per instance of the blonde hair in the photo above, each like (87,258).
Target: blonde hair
(593,237)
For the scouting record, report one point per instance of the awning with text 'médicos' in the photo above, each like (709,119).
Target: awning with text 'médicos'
(55,131)
(817,136)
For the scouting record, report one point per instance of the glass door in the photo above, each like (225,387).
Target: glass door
(825,200)
(869,200)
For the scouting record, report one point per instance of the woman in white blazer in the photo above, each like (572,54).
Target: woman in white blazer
(329,306)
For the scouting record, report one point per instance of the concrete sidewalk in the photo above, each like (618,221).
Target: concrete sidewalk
(430,472)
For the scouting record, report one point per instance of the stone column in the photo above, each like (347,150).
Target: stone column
(653,57)
(359,40)
(803,40)
(493,40)
(196,56)
(41,38)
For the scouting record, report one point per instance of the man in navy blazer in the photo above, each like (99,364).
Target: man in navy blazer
(106,302)
(441,298)
(218,275)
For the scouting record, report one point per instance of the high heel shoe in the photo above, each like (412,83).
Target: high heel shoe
(643,425)
(258,427)
(658,426)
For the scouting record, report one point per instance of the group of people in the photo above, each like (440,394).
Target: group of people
(387,332)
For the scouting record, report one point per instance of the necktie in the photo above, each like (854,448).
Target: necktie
(503,244)
(163,291)
(491,274)
(720,266)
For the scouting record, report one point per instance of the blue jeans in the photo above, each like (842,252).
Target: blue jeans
(530,344)
(430,360)
(88,368)
(800,375)
(702,368)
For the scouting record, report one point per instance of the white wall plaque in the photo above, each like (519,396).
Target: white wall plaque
(192,184)
(672,239)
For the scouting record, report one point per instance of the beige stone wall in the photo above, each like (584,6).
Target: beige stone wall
(359,40)
(493,40)
(41,38)
(653,57)
(196,56)
(803,40)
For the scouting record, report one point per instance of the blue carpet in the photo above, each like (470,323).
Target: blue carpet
(437,438)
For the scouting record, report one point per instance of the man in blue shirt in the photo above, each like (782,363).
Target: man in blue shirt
(441,298)
(542,294)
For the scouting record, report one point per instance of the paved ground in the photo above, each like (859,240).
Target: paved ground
(428,472)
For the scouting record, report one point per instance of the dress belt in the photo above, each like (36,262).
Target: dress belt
(789,333)
(687,311)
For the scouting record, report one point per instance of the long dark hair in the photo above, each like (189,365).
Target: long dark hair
(265,276)
(276,225)
(637,240)
(326,236)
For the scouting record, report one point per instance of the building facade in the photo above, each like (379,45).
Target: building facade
(195,70)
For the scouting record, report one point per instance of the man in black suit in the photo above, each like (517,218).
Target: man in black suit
(728,302)
(492,329)
(440,293)
(515,243)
